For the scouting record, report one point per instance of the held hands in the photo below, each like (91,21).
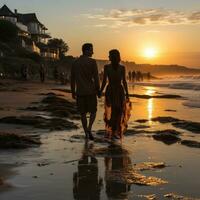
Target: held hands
(127,96)
(99,94)
(73,95)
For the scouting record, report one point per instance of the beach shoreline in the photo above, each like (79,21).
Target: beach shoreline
(61,150)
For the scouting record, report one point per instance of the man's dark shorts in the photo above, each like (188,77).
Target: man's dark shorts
(87,104)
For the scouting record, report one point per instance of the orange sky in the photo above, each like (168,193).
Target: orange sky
(171,27)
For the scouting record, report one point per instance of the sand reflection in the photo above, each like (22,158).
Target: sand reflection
(87,183)
(117,164)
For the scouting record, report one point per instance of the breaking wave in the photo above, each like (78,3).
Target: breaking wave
(192,83)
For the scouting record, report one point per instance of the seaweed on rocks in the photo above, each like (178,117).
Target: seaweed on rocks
(178,123)
(17,141)
(130,132)
(142,120)
(57,106)
(170,110)
(63,90)
(50,94)
(191,143)
(40,122)
(164,96)
(168,136)
(164,119)
(188,125)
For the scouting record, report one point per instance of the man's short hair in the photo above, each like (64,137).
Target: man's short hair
(87,47)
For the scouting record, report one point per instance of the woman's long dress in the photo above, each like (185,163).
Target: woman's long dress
(117,107)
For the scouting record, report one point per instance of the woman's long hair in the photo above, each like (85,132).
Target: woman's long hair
(114,56)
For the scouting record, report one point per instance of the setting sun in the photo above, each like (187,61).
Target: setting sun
(150,52)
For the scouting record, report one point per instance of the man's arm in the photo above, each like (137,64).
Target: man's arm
(73,82)
(104,80)
(96,77)
(124,82)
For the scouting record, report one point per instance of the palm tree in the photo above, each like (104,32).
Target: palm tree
(59,44)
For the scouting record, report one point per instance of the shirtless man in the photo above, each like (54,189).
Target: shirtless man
(85,87)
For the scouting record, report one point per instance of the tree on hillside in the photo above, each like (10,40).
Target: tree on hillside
(8,31)
(59,44)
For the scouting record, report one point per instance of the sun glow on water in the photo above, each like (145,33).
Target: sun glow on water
(150,104)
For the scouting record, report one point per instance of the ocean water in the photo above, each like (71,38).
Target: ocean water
(186,86)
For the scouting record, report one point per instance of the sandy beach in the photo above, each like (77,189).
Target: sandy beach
(158,158)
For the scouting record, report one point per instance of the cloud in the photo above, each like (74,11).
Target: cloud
(101,25)
(120,17)
(153,31)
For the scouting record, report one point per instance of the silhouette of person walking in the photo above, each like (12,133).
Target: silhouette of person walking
(24,72)
(148,76)
(129,76)
(133,76)
(85,87)
(117,104)
(42,73)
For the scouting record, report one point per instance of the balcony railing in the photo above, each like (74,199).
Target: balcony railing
(22,27)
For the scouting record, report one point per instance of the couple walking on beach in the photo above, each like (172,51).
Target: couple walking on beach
(86,88)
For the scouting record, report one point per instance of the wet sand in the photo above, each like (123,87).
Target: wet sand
(139,167)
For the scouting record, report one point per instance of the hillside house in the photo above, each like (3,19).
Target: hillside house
(32,32)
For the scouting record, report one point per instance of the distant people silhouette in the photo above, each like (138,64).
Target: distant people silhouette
(138,76)
(56,73)
(42,72)
(117,105)
(24,72)
(87,183)
(133,76)
(129,76)
(148,76)
(85,87)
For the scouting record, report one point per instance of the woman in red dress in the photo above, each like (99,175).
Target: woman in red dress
(117,104)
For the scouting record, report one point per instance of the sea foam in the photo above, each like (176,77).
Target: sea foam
(192,83)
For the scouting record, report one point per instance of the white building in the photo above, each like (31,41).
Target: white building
(31,32)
